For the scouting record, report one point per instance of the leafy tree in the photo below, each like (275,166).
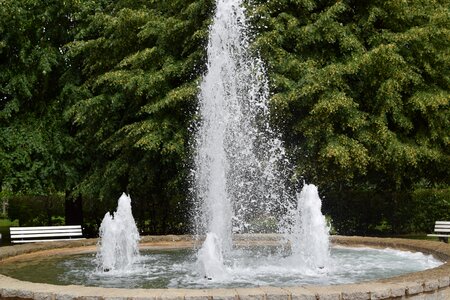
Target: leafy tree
(361,89)
(97,96)
(36,147)
(138,64)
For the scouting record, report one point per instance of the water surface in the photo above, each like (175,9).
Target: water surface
(245,267)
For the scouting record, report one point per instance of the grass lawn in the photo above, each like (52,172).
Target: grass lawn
(8,222)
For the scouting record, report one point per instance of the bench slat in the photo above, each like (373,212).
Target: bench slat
(22,236)
(46,240)
(45,227)
(442,230)
(442,226)
(442,222)
(46,233)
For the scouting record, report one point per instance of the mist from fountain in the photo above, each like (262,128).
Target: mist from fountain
(241,173)
(117,248)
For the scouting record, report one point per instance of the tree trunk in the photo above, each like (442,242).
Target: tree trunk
(73,209)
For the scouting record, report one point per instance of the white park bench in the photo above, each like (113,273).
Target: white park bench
(441,230)
(45,233)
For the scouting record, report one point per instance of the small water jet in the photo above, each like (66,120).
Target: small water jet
(119,239)
(310,233)
(210,258)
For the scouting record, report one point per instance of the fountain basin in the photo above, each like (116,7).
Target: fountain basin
(431,283)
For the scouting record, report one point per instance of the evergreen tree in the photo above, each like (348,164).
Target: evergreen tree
(361,89)
(139,64)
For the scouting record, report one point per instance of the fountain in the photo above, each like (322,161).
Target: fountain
(241,170)
(119,239)
(310,235)
(242,179)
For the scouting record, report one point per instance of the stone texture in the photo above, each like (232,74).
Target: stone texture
(17,293)
(299,293)
(43,296)
(372,291)
(64,296)
(328,297)
(431,285)
(356,292)
(413,288)
(444,282)
(325,292)
(96,298)
(223,294)
(397,291)
(142,294)
(381,291)
(194,295)
(275,293)
(181,294)
(378,295)
(355,295)
(250,294)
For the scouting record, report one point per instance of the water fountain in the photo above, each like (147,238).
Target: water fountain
(241,177)
(119,239)
(241,170)
(310,234)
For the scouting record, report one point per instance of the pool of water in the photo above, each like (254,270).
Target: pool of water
(245,267)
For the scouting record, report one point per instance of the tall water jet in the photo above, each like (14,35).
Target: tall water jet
(241,173)
(119,238)
(238,157)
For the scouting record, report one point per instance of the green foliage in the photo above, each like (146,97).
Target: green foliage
(426,207)
(377,213)
(37,210)
(361,89)
(97,97)
(34,156)
(31,36)
(8,223)
(36,148)
(138,66)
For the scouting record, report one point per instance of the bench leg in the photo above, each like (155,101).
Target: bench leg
(443,239)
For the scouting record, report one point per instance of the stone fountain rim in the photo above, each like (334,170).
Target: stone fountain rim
(434,280)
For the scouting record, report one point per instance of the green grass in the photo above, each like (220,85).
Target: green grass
(8,222)
(416,236)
